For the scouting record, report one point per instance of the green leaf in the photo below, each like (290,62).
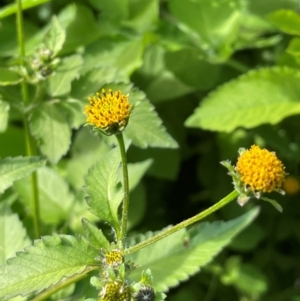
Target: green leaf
(49,125)
(47,262)
(4,108)
(246,277)
(180,255)
(13,236)
(267,95)
(80,25)
(55,37)
(73,110)
(166,86)
(95,235)
(181,62)
(12,8)
(9,77)
(144,15)
(213,26)
(86,150)
(92,81)
(294,47)
(104,189)
(286,20)
(276,205)
(144,128)
(12,169)
(136,172)
(60,82)
(123,54)
(56,201)
(115,10)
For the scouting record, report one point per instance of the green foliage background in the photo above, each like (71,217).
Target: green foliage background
(221,74)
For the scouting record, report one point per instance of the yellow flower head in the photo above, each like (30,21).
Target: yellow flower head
(115,291)
(109,111)
(113,258)
(260,170)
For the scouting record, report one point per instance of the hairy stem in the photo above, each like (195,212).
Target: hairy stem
(125,186)
(230,197)
(30,146)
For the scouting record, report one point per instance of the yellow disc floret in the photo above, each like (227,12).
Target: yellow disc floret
(110,109)
(113,258)
(260,170)
(115,291)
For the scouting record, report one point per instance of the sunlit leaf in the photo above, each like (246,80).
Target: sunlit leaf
(12,169)
(50,260)
(266,95)
(104,189)
(13,236)
(56,200)
(55,37)
(50,127)
(180,255)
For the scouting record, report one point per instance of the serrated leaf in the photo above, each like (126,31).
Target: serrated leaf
(47,262)
(267,95)
(4,108)
(104,189)
(286,20)
(9,77)
(49,125)
(13,236)
(60,82)
(55,37)
(12,169)
(145,127)
(95,235)
(180,255)
(56,201)
(89,83)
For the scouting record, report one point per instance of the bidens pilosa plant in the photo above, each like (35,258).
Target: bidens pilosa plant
(76,187)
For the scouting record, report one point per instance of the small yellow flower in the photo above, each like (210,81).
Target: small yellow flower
(108,112)
(113,258)
(260,170)
(115,291)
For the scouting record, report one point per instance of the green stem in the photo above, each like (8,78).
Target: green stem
(125,186)
(30,147)
(230,197)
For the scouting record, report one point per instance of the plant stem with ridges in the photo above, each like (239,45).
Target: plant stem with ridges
(125,186)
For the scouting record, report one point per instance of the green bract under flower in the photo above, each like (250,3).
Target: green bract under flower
(108,112)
